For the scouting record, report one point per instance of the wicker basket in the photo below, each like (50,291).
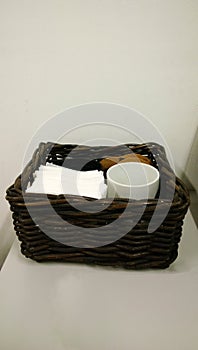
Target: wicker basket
(138,248)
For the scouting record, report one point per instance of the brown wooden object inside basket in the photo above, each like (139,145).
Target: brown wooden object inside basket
(106,163)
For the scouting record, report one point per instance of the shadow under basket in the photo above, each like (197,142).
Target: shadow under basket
(133,234)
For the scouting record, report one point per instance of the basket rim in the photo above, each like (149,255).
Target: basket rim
(15,191)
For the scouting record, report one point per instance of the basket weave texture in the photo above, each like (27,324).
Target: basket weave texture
(138,248)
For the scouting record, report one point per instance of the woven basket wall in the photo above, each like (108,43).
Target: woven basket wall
(137,248)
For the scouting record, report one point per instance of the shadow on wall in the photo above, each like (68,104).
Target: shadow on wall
(190,177)
(7,237)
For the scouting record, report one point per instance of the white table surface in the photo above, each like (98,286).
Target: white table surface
(76,307)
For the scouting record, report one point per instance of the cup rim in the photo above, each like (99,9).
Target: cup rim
(134,186)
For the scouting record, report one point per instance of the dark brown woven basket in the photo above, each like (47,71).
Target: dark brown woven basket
(137,248)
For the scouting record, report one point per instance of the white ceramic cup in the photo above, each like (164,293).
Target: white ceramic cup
(133,180)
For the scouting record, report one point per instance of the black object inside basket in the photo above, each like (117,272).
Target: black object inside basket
(137,248)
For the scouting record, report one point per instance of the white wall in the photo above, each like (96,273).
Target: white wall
(58,53)
(191,171)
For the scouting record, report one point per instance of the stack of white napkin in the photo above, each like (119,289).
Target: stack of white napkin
(54,179)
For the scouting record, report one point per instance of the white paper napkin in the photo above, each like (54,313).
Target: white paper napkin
(54,179)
